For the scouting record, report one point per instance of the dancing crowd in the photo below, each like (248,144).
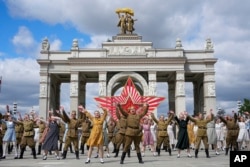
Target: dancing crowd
(130,129)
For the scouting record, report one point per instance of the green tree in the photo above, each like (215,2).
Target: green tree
(221,112)
(245,107)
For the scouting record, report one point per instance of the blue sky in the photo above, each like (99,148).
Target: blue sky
(25,23)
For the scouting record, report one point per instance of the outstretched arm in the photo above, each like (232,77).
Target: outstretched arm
(144,110)
(121,109)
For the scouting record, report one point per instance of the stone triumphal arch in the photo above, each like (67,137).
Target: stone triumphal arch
(127,55)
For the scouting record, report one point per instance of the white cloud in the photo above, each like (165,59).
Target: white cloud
(24,42)
(225,22)
(56,44)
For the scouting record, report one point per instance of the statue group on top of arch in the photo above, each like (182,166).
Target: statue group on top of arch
(126,22)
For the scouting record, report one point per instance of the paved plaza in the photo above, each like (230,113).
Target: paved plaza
(149,160)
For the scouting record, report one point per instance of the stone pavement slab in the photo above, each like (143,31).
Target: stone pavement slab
(149,160)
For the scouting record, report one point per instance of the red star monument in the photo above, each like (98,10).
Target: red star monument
(129,97)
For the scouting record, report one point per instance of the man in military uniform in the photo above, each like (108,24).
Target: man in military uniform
(162,135)
(42,126)
(19,133)
(28,136)
(134,131)
(111,131)
(201,123)
(120,135)
(86,126)
(232,132)
(61,134)
(72,134)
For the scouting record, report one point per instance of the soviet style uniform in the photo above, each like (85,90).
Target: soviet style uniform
(201,133)
(19,134)
(111,132)
(72,134)
(86,126)
(28,137)
(232,132)
(41,127)
(120,135)
(133,132)
(61,134)
(162,134)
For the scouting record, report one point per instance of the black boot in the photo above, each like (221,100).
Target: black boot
(226,151)
(82,148)
(60,147)
(34,153)
(196,153)
(129,153)
(207,153)
(77,154)
(169,151)
(70,147)
(64,155)
(116,153)
(87,147)
(140,158)
(1,151)
(158,151)
(39,149)
(21,153)
(123,157)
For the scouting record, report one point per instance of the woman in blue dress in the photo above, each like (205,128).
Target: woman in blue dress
(51,140)
(10,134)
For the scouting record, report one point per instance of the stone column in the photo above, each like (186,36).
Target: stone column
(171,95)
(44,95)
(151,84)
(82,92)
(180,101)
(209,92)
(54,93)
(103,83)
(74,90)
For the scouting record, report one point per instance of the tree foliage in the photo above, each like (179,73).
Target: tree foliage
(245,107)
(221,112)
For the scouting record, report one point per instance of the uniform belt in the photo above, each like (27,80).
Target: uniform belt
(202,128)
(161,129)
(233,129)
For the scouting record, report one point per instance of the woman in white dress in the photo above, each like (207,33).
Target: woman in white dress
(153,130)
(219,133)
(170,130)
(243,134)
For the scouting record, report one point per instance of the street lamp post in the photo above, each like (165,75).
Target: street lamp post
(239,104)
(14,108)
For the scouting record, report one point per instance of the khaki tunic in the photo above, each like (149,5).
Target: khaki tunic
(162,134)
(232,131)
(121,126)
(86,126)
(72,134)
(134,130)
(41,127)
(202,130)
(28,134)
(19,132)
